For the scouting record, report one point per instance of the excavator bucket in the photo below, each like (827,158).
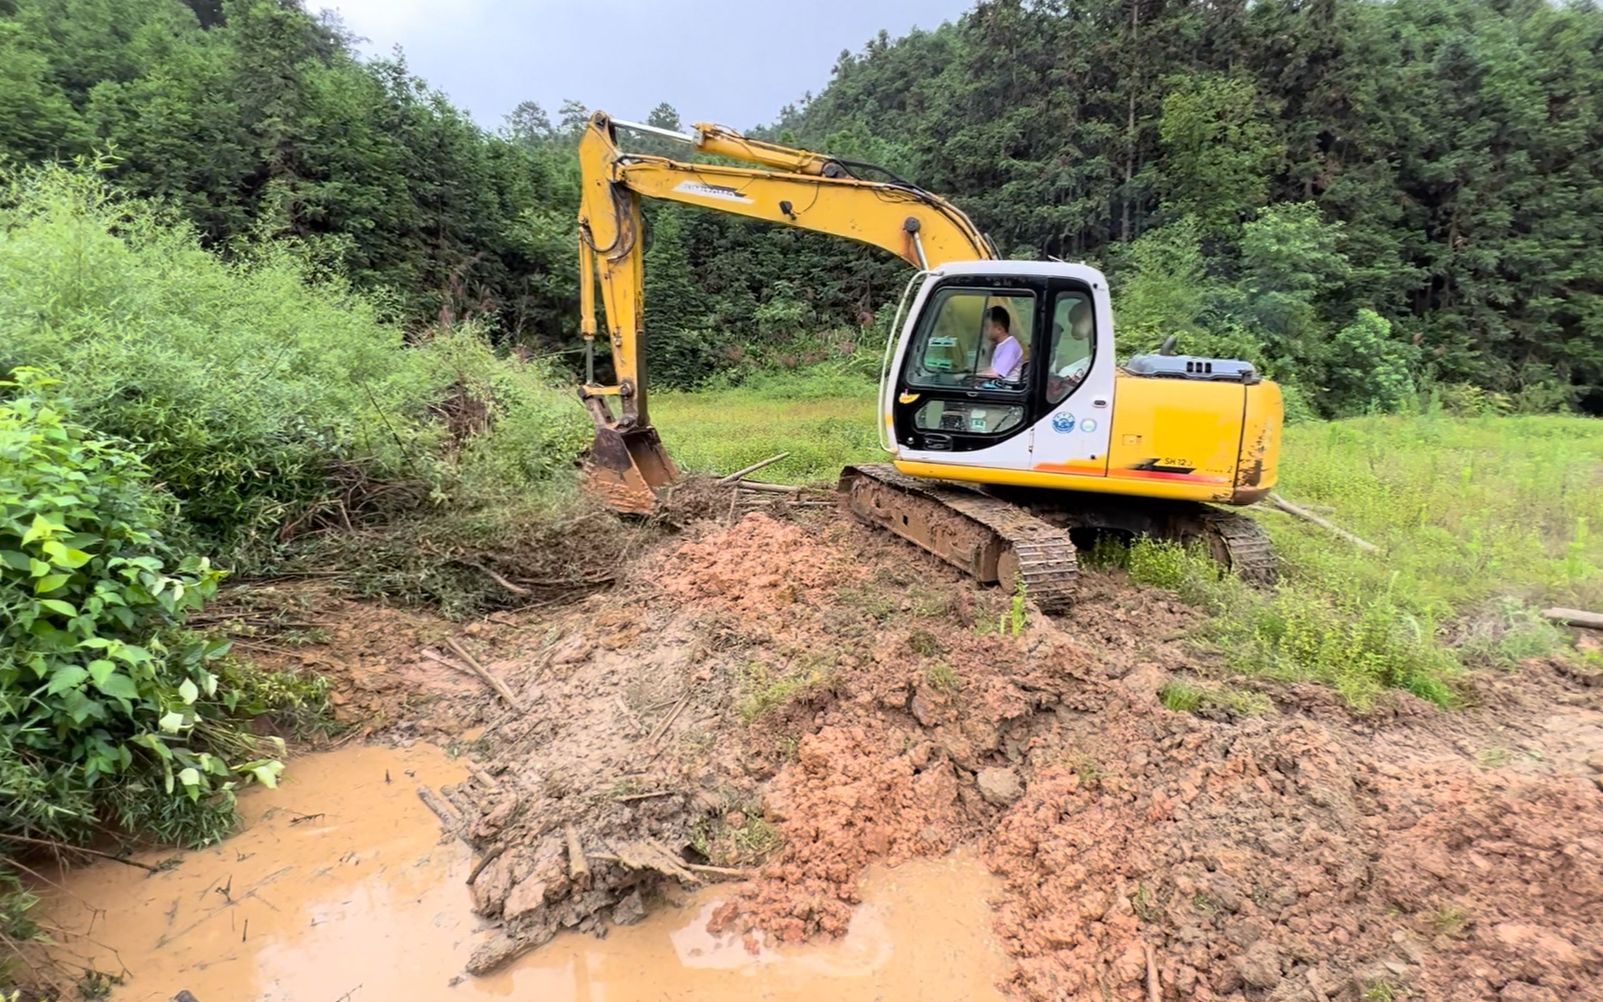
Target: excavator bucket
(626,467)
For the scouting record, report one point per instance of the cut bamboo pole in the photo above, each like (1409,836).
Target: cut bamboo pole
(1575,617)
(753,468)
(479,670)
(1323,523)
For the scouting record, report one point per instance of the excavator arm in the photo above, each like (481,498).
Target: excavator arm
(797,188)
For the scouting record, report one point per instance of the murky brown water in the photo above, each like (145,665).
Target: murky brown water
(338,887)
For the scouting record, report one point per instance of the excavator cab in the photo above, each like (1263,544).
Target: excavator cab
(944,403)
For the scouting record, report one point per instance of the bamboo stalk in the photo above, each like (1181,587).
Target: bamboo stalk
(578,866)
(1323,523)
(479,670)
(1575,617)
(447,819)
(757,485)
(753,468)
(1153,991)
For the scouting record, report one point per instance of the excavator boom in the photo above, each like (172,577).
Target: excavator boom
(789,187)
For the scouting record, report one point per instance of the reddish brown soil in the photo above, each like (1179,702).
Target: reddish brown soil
(855,696)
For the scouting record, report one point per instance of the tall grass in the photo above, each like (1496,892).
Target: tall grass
(823,424)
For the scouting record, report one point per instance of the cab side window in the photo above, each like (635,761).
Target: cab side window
(1073,337)
(965,331)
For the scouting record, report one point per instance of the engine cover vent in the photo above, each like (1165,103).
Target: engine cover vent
(1224,370)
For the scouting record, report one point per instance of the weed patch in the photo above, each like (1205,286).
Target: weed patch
(739,837)
(942,678)
(765,690)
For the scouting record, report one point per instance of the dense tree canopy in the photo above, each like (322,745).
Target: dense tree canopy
(1328,187)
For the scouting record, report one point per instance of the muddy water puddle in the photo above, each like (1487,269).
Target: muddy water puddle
(338,886)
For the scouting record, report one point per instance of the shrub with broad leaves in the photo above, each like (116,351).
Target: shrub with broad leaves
(107,705)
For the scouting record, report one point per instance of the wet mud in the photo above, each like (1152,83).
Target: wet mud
(339,885)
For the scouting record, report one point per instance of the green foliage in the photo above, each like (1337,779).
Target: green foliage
(1220,148)
(1430,161)
(93,673)
(109,710)
(1427,160)
(266,399)
(1188,697)
(765,690)
(1367,369)
(943,678)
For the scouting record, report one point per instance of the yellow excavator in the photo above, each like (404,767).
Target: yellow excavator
(1012,430)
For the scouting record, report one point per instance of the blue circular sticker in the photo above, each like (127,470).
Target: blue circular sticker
(1063,423)
(1088,425)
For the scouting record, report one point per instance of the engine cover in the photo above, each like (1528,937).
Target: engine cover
(1226,370)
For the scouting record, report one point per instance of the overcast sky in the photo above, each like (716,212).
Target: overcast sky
(733,63)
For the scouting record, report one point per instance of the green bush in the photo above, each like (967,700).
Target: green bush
(265,396)
(101,690)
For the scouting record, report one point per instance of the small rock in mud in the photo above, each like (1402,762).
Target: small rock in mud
(1260,965)
(1541,950)
(1000,786)
(629,910)
(921,710)
(572,651)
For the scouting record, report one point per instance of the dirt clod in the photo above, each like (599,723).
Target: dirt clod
(999,786)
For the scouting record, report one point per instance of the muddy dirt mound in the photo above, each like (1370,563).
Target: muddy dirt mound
(1290,858)
(1498,879)
(784,699)
(757,566)
(848,800)
(1222,849)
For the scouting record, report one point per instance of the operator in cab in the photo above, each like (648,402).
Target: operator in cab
(1007,355)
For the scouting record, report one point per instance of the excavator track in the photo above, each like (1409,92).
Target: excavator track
(993,540)
(1235,541)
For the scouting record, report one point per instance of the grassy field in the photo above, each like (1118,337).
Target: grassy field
(1482,521)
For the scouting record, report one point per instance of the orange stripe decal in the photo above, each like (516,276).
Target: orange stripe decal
(1084,469)
(1166,475)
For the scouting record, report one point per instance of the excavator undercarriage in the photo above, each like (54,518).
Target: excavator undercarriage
(1014,537)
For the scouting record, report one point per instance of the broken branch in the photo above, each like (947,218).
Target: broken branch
(1575,617)
(753,468)
(484,861)
(495,683)
(711,871)
(498,579)
(64,847)
(629,798)
(666,722)
(1324,523)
